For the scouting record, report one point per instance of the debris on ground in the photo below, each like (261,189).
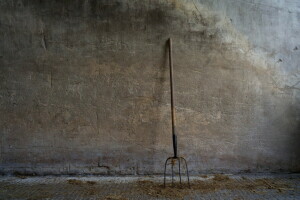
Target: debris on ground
(272,184)
(158,190)
(91,182)
(221,177)
(21,176)
(75,182)
(114,197)
(79,182)
(146,189)
(40,196)
(219,182)
(88,187)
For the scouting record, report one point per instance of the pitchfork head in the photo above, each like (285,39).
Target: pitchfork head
(173,161)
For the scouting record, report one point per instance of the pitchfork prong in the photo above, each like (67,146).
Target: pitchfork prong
(166,170)
(179,170)
(187,171)
(172,166)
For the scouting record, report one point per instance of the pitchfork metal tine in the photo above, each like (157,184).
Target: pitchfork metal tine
(172,162)
(179,169)
(187,171)
(165,171)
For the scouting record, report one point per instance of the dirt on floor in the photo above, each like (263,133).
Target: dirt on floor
(114,197)
(219,182)
(144,188)
(79,182)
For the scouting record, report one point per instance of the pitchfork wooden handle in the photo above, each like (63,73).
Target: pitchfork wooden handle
(174,137)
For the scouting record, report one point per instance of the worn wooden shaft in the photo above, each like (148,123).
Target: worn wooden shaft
(174,137)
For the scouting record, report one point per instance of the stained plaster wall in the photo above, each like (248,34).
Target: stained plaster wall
(84,86)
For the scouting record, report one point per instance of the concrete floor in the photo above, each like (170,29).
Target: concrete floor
(274,186)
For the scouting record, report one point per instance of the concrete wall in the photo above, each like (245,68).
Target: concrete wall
(84,85)
(272,28)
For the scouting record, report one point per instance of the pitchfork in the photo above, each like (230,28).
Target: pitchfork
(174,136)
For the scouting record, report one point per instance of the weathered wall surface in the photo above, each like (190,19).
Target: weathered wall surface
(272,27)
(84,87)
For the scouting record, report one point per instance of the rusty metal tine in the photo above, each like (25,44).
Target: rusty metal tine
(187,171)
(165,171)
(172,163)
(179,170)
